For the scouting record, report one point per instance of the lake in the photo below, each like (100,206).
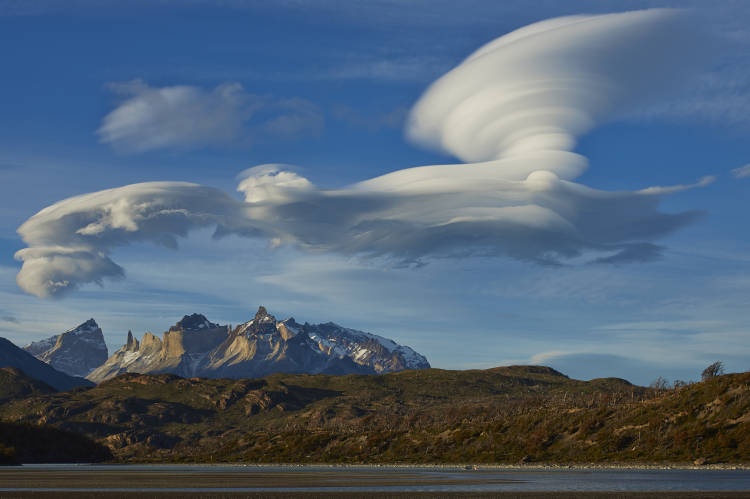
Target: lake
(137,480)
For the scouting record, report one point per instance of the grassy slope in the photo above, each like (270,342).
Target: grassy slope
(508,414)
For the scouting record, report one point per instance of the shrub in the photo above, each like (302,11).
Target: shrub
(715,369)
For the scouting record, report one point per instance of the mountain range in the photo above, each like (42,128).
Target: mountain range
(197,347)
(502,415)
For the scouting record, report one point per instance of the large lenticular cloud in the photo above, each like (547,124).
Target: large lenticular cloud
(513,109)
(70,241)
(540,87)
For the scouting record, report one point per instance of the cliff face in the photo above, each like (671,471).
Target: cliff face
(197,347)
(181,352)
(76,352)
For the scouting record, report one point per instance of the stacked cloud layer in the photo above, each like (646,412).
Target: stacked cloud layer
(513,109)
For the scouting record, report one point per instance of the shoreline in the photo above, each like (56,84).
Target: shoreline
(362,481)
(425,466)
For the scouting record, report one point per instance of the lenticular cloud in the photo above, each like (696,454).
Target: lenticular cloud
(512,111)
(540,87)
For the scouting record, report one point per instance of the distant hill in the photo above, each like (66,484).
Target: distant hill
(501,415)
(13,356)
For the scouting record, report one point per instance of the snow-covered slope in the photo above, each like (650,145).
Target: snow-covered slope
(76,352)
(261,346)
(366,349)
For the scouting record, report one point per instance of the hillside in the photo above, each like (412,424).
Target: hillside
(13,356)
(506,415)
(25,443)
(15,384)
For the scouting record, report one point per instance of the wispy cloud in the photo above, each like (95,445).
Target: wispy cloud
(674,325)
(741,172)
(188,117)
(397,69)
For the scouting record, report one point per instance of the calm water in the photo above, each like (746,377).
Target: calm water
(412,479)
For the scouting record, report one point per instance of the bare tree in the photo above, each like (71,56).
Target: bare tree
(715,369)
(660,384)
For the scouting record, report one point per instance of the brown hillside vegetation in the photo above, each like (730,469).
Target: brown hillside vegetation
(15,384)
(502,415)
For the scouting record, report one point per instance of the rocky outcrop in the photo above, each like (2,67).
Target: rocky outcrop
(196,347)
(182,350)
(76,352)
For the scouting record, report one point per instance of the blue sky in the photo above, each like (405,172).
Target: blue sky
(327,87)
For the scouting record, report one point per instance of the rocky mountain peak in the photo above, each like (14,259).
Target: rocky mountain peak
(194,322)
(132,344)
(88,325)
(262,315)
(262,324)
(76,352)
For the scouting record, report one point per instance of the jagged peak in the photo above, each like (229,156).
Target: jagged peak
(262,323)
(132,344)
(194,322)
(262,315)
(290,323)
(89,325)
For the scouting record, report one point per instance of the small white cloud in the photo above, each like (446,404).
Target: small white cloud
(188,117)
(273,183)
(742,171)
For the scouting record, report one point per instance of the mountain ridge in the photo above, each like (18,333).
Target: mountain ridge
(507,414)
(12,355)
